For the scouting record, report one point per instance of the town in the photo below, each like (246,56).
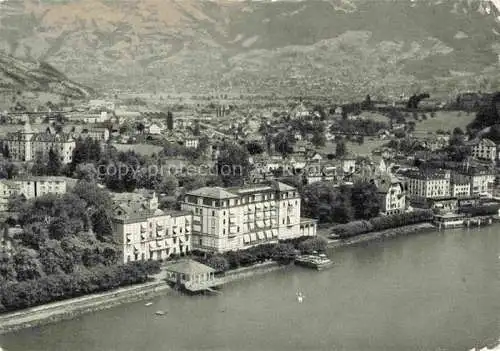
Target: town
(115,187)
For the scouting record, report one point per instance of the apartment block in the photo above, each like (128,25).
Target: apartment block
(30,187)
(226,219)
(485,149)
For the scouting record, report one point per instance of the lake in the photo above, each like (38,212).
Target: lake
(432,291)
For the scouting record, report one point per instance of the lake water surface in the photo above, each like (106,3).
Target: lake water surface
(433,291)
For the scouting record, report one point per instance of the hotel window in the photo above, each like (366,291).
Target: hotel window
(224,231)
(223,221)
(213,213)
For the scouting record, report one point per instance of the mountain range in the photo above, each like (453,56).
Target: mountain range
(341,48)
(26,75)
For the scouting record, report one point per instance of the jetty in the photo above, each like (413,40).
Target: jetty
(195,277)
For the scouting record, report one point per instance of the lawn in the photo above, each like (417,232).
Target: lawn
(445,120)
(355,149)
(141,149)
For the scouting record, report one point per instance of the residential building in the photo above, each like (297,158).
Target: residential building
(155,129)
(348,165)
(25,145)
(30,187)
(460,189)
(480,179)
(191,142)
(392,194)
(484,149)
(101,105)
(100,134)
(428,183)
(145,232)
(226,219)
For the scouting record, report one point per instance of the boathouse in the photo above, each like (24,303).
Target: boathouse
(190,273)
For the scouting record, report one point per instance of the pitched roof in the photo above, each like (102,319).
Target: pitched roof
(190,267)
(213,193)
(282,186)
(488,142)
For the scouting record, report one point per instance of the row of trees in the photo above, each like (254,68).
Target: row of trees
(381,223)
(138,171)
(56,287)
(331,204)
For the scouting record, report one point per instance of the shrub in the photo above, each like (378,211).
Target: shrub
(381,223)
(217,262)
(15,296)
(313,244)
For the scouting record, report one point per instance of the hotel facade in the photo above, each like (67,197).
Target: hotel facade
(144,232)
(228,219)
(25,145)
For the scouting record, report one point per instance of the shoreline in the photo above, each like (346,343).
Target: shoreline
(383,234)
(68,309)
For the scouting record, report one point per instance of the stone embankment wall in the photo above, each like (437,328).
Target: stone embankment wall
(68,309)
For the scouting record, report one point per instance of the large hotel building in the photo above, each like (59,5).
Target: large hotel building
(26,145)
(227,219)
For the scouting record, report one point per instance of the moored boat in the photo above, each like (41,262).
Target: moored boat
(318,262)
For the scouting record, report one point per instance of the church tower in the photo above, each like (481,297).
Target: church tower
(27,139)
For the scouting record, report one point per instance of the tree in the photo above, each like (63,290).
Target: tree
(86,150)
(283,143)
(318,139)
(196,128)
(170,121)
(340,149)
(367,103)
(217,262)
(140,127)
(168,185)
(254,148)
(308,246)
(327,203)
(27,265)
(87,172)
(233,164)
(54,164)
(98,206)
(6,151)
(365,200)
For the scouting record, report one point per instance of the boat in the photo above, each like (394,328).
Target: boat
(318,262)
(148,304)
(160,313)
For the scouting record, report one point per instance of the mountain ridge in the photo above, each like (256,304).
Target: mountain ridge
(199,46)
(22,75)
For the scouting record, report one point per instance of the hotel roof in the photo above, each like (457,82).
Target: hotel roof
(213,193)
(234,192)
